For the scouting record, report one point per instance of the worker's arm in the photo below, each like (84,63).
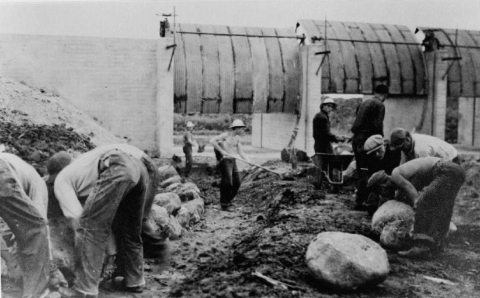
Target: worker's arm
(240,149)
(404,186)
(215,140)
(67,198)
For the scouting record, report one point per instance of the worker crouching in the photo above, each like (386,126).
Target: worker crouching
(430,186)
(115,184)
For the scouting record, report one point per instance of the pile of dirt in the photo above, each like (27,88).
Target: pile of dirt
(21,104)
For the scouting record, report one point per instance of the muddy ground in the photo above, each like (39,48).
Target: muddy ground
(269,231)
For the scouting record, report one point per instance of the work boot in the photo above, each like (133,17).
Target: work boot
(119,286)
(72,293)
(227,207)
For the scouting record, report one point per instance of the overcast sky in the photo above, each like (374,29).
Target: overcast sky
(139,19)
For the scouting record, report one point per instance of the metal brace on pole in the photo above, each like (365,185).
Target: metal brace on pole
(174,46)
(324,53)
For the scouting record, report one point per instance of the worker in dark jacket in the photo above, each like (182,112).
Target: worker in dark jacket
(369,122)
(322,135)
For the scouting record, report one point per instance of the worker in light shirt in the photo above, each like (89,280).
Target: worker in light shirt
(114,185)
(23,205)
(415,145)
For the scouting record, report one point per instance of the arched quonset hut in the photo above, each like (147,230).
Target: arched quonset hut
(352,58)
(453,59)
(224,69)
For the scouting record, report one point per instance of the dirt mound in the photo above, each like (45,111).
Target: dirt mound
(21,104)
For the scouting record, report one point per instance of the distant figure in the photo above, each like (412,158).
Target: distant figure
(369,122)
(188,143)
(322,135)
(228,145)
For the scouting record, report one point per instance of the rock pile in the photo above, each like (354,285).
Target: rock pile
(180,206)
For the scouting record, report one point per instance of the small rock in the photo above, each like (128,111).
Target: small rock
(347,261)
(175,228)
(170,181)
(393,220)
(170,201)
(166,172)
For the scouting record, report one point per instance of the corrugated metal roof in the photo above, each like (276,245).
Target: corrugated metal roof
(223,69)
(463,75)
(363,55)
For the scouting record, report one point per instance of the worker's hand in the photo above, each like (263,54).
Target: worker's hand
(57,279)
(75,223)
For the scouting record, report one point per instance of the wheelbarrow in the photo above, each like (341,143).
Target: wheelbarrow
(333,166)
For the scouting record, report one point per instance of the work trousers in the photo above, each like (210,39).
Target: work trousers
(361,160)
(187,149)
(118,198)
(30,230)
(436,201)
(230,182)
(154,243)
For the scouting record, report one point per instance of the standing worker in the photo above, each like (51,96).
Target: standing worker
(322,134)
(115,182)
(24,201)
(226,144)
(419,145)
(188,142)
(369,122)
(430,185)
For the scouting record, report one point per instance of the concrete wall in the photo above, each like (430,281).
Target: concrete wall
(123,83)
(275,130)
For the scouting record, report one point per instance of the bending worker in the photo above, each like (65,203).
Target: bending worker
(116,184)
(380,157)
(420,145)
(430,186)
(369,122)
(228,144)
(24,200)
(322,135)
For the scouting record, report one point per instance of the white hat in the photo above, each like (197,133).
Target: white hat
(328,100)
(237,123)
(190,124)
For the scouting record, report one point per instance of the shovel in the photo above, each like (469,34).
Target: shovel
(285,176)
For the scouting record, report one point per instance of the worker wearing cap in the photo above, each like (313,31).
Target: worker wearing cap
(368,122)
(23,207)
(229,145)
(379,157)
(322,135)
(116,183)
(420,145)
(188,143)
(430,185)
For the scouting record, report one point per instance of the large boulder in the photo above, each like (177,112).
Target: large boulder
(393,221)
(169,200)
(347,261)
(165,172)
(170,181)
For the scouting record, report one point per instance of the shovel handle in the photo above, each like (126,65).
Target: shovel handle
(255,165)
